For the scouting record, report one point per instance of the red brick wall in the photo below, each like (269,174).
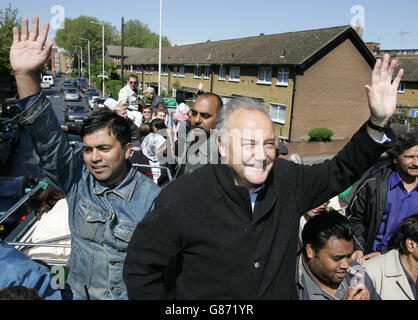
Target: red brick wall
(331,94)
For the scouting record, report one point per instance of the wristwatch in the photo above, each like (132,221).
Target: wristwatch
(378,128)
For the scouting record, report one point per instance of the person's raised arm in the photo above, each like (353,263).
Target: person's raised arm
(382,95)
(27,55)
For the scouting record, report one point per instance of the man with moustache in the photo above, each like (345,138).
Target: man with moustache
(384,199)
(106,196)
(234,226)
(199,147)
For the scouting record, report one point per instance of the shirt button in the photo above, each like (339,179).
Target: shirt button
(257,265)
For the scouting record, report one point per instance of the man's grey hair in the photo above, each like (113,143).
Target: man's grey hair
(235,104)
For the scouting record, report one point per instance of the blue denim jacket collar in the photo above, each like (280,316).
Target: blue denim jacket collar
(125,189)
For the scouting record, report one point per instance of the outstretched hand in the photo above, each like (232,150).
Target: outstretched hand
(27,53)
(382,92)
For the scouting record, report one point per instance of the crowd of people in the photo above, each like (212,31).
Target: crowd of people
(205,203)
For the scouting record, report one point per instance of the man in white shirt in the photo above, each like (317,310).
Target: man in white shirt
(129,93)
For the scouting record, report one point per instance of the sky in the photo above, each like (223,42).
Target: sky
(391,23)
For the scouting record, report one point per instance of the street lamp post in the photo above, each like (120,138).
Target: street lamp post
(80,65)
(103,75)
(88,49)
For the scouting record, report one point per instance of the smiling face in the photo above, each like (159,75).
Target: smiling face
(251,147)
(329,265)
(147,114)
(104,156)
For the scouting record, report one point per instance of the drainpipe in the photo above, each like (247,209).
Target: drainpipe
(293,105)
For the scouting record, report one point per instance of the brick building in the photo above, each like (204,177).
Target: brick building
(408,88)
(306,79)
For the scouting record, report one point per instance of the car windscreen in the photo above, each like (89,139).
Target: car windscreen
(71,90)
(76,109)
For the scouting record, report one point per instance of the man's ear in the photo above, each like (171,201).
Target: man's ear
(221,147)
(128,150)
(410,245)
(310,251)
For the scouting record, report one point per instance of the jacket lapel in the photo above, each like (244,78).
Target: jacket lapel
(393,269)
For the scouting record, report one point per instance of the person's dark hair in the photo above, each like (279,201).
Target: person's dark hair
(220,103)
(133,76)
(180,97)
(19,293)
(408,228)
(102,119)
(325,225)
(405,141)
(158,124)
(44,200)
(143,130)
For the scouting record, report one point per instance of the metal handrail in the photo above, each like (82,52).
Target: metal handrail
(17,205)
(170,177)
(40,244)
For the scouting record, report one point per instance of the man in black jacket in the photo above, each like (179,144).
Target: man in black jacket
(384,198)
(234,226)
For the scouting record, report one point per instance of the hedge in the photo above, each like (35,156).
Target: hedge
(320,134)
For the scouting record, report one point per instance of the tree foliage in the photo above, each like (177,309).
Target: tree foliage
(81,27)
(9,18)
(139,35)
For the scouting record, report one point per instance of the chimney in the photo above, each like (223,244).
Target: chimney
(359,29)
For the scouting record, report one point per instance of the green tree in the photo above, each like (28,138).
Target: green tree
(82,27)
(139,35)
(9,18)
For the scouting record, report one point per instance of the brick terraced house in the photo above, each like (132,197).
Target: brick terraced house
(306,79)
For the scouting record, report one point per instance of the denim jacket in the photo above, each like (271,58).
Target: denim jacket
(101,219)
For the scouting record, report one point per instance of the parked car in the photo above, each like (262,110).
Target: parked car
(75,112)
(98,102)
(89,97)
(71,94)
(49,79)
(87,88)
(66,85)
(46,85)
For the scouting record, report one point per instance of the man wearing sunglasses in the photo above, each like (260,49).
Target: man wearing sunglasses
(129,93)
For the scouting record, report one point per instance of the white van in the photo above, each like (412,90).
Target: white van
(49,79)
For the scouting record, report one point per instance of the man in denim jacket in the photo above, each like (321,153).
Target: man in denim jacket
(106,196)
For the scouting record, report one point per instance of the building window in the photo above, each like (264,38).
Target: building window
(197,72)
(234,74)
(278,112)
(282,77)
(401,87)
(138,69)
(222,73)
(181,71)
(264,75)
(206,72)
(164,70)
(175,71)
(117,58)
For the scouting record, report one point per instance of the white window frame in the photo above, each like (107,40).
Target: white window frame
(206,72)
(263,72)
(232,71)
(222,73)
(282,71)
(401,87)
(117,58)
(175,68)
(181,72)
(197,73)
(279,106)
(138,69)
